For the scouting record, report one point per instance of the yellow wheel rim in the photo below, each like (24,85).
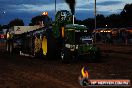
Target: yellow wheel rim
(44,45)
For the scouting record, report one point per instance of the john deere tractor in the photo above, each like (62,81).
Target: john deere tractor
(77,43)
(74,39)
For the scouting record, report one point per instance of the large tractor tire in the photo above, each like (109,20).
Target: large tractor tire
(41,47)
(37,47)
(44,48)
(50,46)
(9,46)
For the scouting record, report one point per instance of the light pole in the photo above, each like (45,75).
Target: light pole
(95,18)
(55,7)
(95,13)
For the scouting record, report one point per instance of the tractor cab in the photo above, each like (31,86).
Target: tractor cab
(77,34)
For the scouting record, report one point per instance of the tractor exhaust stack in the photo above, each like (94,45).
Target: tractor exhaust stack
(73,19)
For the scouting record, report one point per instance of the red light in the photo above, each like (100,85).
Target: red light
(2,36)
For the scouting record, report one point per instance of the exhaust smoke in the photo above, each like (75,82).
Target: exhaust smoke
(71,4)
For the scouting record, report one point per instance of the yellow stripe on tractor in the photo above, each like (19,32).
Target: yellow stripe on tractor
(62,32)
(44,45)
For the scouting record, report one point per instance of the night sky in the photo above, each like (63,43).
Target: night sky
(26,9)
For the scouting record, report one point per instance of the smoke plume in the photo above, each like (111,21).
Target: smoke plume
(71,4)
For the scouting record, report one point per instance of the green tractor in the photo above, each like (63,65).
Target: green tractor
(77,43)
(74,39)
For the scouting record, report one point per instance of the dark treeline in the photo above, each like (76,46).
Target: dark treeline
(123,19)
(14,22)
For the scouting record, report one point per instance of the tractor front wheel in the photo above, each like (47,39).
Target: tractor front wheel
(66,55)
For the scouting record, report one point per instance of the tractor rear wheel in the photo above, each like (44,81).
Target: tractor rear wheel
(9,46)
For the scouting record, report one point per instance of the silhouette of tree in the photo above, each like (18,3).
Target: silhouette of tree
(37,19)
(78,21)
(101,21)
(30,24)
(126,15)
(123,19)
(114,20)
(4,27)
(0,27)
(89,23)
(16,22)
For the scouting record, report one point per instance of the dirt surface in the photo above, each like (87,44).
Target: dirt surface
(24,72)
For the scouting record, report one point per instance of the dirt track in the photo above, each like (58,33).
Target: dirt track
(24,72)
